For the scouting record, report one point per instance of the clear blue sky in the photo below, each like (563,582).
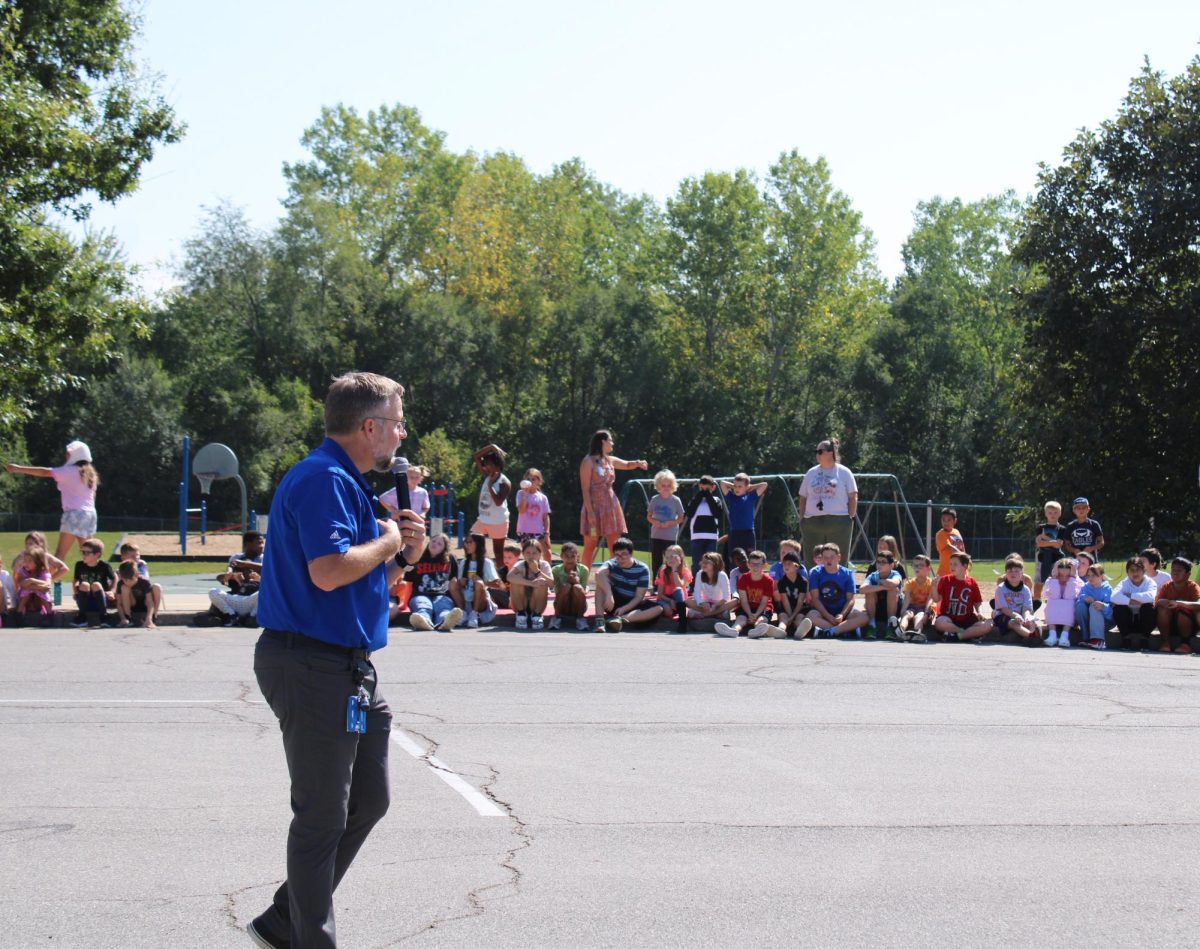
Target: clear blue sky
(906,101)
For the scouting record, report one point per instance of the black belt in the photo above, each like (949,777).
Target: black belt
(299,640)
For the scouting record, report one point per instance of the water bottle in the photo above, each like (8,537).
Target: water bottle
(58,593)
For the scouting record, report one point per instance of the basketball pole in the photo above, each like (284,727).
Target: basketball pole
(183,496)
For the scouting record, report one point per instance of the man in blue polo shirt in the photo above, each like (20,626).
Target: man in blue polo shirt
(323,604)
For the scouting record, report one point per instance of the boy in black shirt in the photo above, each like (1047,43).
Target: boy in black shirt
(791,595)
(1084,534)
(94,582)
(138,601)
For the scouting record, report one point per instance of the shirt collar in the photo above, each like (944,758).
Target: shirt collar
(338,453)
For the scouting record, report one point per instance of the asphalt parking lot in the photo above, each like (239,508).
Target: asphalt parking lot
(615,790)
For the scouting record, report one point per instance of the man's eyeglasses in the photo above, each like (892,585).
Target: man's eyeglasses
(400,426)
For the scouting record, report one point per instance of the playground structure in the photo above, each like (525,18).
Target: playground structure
(216,461)
(874,515)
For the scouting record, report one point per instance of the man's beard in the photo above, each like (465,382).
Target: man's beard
(383,465)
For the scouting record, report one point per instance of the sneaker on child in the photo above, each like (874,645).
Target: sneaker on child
(724,629)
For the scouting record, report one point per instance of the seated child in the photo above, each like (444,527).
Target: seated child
(711,597)
(785,547)
(887,544)
(1151,560)
(8,590)
(430,603)
(622,583)
(510,557)
(1178,607)
(243,575)
(791,597)
(1013,611)
(672,584)
(570,590)
(32,580)
(959,599)
(756,595)
(1059,593)
(133,553)
(831,590)
(1093,608)
(137,599)
(95,582)
(738,557)
(881,591)
(529,584)
(1133,605)
(915,607)
(470,589)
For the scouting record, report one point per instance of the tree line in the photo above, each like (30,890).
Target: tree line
(1029,349)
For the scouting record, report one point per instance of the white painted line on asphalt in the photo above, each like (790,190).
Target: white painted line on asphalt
(482,804)
(41,701)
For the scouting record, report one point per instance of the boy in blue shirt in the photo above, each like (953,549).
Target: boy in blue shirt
(881,592)
(741,500)
(831,593)
(621,587)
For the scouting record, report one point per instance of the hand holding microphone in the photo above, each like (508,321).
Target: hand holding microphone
(412,525)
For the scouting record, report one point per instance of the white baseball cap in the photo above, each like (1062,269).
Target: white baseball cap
(77,451)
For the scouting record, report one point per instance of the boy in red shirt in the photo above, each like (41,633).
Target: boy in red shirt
(756,593)
(1178,606)
(958,602)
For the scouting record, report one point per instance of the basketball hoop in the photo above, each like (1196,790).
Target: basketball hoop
(215,462)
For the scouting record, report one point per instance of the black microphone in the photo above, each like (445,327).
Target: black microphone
(400,471)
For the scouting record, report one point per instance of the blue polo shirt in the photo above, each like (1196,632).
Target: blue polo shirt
(323,506)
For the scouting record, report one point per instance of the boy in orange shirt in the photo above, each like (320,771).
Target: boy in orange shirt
(949,541)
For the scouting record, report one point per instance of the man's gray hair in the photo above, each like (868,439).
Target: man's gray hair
(355,396)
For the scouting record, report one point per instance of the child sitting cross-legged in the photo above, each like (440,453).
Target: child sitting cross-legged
(1013,612)
(756,594)
(831,590)
(622,583)
(711,598)
(959,599)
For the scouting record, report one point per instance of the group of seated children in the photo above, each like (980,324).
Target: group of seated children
(27,595)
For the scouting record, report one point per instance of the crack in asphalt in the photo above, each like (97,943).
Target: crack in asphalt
(478,897)
(229,908)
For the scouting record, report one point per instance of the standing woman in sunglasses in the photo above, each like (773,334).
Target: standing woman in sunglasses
(829,501)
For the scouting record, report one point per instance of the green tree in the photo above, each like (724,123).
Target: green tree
(1110,388)
(936,379)
(77,123)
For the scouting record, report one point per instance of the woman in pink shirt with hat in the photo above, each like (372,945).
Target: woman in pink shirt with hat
(77,481)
